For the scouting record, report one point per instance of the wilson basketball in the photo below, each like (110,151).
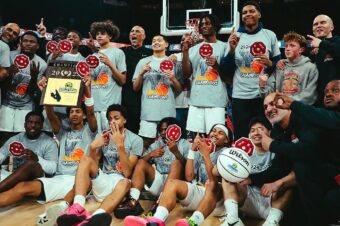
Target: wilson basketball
(233,164)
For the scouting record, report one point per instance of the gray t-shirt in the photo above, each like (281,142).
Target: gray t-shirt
(207,89)
(163,163)
(260,161)
(17,95)
(44,147)
(73,145)
(4,55)
(201,172)
(133,146)
(68,57)
(105,90)
(158,100)
(246,81)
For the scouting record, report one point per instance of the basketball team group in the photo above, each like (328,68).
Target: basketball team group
(151,122)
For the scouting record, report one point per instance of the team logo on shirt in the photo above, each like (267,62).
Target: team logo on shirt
(21,88)
(160,91)
(210,77)
(74,157)
(102,79)
(290,84)
(248,54)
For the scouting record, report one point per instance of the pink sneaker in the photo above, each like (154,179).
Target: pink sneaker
(73,215)
(140,221)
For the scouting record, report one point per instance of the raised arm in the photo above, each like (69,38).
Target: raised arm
(89,103)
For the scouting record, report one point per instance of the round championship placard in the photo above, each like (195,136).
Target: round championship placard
(92,61)
(173,132)
(206,50)
(166,65)
(211,144)
(21,61)
(65,46)
(16,148)
(257,48)
(51,46)
(82,69)
(245,145)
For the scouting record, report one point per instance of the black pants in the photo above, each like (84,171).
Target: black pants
(319,193)
(244,110)
(133,118)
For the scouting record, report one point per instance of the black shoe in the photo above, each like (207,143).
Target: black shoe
(129,207)
(102,219)
(152,210)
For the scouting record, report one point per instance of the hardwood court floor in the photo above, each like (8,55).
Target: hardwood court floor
(25,213)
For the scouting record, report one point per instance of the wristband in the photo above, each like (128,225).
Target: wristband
(89,101)
(191,154)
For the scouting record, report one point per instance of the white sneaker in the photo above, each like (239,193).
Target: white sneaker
(51,215)
(41,219)
(235,223)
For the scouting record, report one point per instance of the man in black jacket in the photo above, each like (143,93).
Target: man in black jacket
(131,100)
(319,184)
(326,52)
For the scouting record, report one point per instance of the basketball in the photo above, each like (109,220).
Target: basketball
(233,164)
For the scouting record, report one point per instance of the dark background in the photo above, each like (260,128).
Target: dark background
(280,16)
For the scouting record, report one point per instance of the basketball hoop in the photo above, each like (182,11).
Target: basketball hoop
(192,25)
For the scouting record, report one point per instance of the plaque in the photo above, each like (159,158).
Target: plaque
(64,86)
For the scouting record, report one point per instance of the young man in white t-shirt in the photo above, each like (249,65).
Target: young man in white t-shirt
(158,89)
(110,75)
(208,94)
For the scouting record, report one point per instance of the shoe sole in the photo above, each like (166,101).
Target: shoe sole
(122,215)
(135,221)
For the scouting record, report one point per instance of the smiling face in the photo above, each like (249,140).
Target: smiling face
(33,126)
(332,95)
(250,16)
(159,44)
(218,136)
(10,32)
(255,134)
(273,114)
(322,27)
(137,36)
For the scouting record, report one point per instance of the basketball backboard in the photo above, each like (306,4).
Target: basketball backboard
(176,12)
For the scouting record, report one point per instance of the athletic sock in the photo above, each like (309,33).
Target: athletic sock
(64,204)
(80,200)
(134,193)
(161,213)
(197,217)
(99,211)
(231,207)
(274,216)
